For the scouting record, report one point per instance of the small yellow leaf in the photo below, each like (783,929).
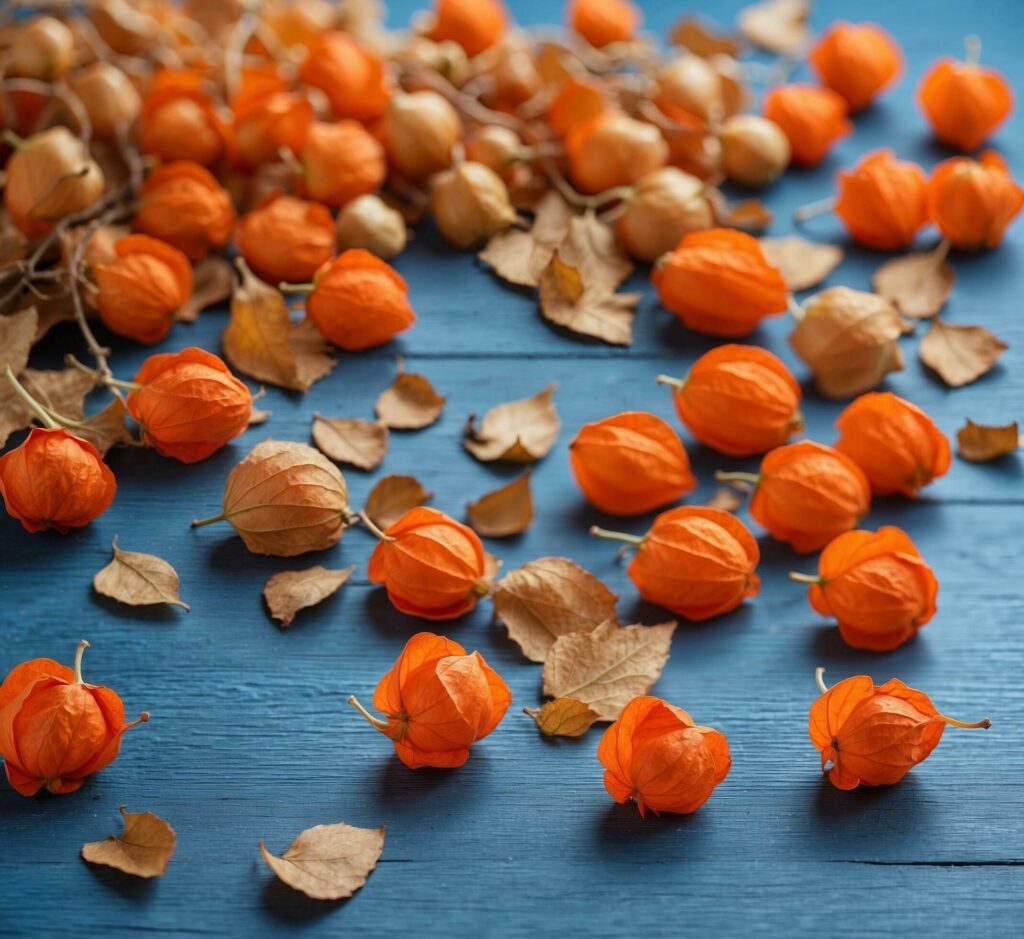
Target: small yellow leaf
(138,580)
(959,354)
(392,497)
(290,591)
(142,849)
(979,443)
(503,512)
(521,431)
(563,717)
(348,440)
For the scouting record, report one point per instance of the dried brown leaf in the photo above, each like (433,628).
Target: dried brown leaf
(521,431)
(692,34)
(959,354)
(595,249)
(349,440)
(290,591)
(257,416)
(979,443)
(13,243)
(916,284)
(750,215)
(804,264)
(393,496)
(58,308)
(726,499)
(520,257)
(505,511)
(213,281)
(607,667)
(142,849)
(138,580)
(563,717)
(105,428)
(549,598)
(409,403)
(776,25)
(62,390)
(328,862)
(17,333)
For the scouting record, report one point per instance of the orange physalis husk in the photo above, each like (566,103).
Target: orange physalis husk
(271,123)
(806,494)
(655,754)
(55,480)
(350,75)
(665,206)
(602,22)
(142,288)
(964,102)
(54,729)
(813,119)
(612,149)
(286,239)
(718,281)
(439,700)
(188,405)
(695,561)
(420,131)
(285,499)
(856,60)
(179,120)
(894,442)
(341,162)
(431,565)
(359,301)
(579,98)
(881,201)
(476,25)
(873,735)
(876,585)
(183,204)
(971,202)
(630,463)
(109,98)
(738,400)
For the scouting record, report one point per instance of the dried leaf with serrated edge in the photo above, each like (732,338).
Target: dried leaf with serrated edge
(959,354)
(692,34)
(392,497)
(290,591)
(728,500)
(916,284)
(328,862)
(563,717)
(410,402)
(776,25)
(105,428)
(61,390)
(520,431)
(349,440)
(17,333)
(520,257)
(549,598)
(138,580)
(607,667)
(213,281)
(979,443)
(804,264)
(505,511)
(142,849)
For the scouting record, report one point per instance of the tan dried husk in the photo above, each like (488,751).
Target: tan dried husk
(470,204)
(755,151)
(422,130)
(368,222)
(666,205)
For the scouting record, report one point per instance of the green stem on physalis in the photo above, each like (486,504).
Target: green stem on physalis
(736,477)
(814,209)
(100,377)
(375,722)
(819,679)
(799,578)
(369,523)
(983,724)
(79,652)
(674,383)
(972,49)
(40,413)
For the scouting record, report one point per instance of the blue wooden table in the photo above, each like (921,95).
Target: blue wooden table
(251,739)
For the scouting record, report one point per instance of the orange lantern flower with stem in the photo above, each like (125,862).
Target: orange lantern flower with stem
(873,735)
(602,22)
(856,60)
(812,119)
(286,239)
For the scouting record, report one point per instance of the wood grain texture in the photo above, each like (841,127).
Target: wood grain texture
(250,737)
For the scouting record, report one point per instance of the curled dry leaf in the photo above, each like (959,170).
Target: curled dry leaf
(728,499)
(138,579)
(290,591)
(505,511)
(804,264)
(17,333)
(105,428)
(918,285)
(393,496)
(563,717)
(520,257)
(349,440)
(142,849)
(959,354)
(695,36)
(750,215)
(213,282)
(776,25)
(62,390)
(328,862)
(979,443)
(521,431)
(608,666)
(410,402)
(549,598)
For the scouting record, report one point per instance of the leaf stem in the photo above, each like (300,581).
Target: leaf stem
(819,679)
(34,406)
(79,652)
(375,722)
(596,532)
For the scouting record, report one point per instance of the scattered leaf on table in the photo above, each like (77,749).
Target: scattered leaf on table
(138,579)
(804,264)
(979,443)
(213,282)
(563,717)
(505,511)
(595,246)
(410,402)
(727,499)
(349,440)
(916,284)
(607,667)
(776,25)
(142,849)
(393,496)
(62,390)
(257,416)
(750,215)
(959,354)
(549,598)
(290,591)
(692,34)
(520,431)
(17,333)
(520,257)
(328,862)
(105,428)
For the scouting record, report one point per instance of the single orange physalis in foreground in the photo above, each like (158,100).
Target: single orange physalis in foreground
(656,755)
(738,400)
(630,463)
(719,282)
(856,60)
(612,149)
(894,442)
(476,25)
(806,494)
(876,585)
(431,565)
(286,239)
(881,201)
(602,22)
(438,701)
(350,75)
(812,119)
(971,202)
(188,405)
(54,729)
(697,562)
(873,735)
